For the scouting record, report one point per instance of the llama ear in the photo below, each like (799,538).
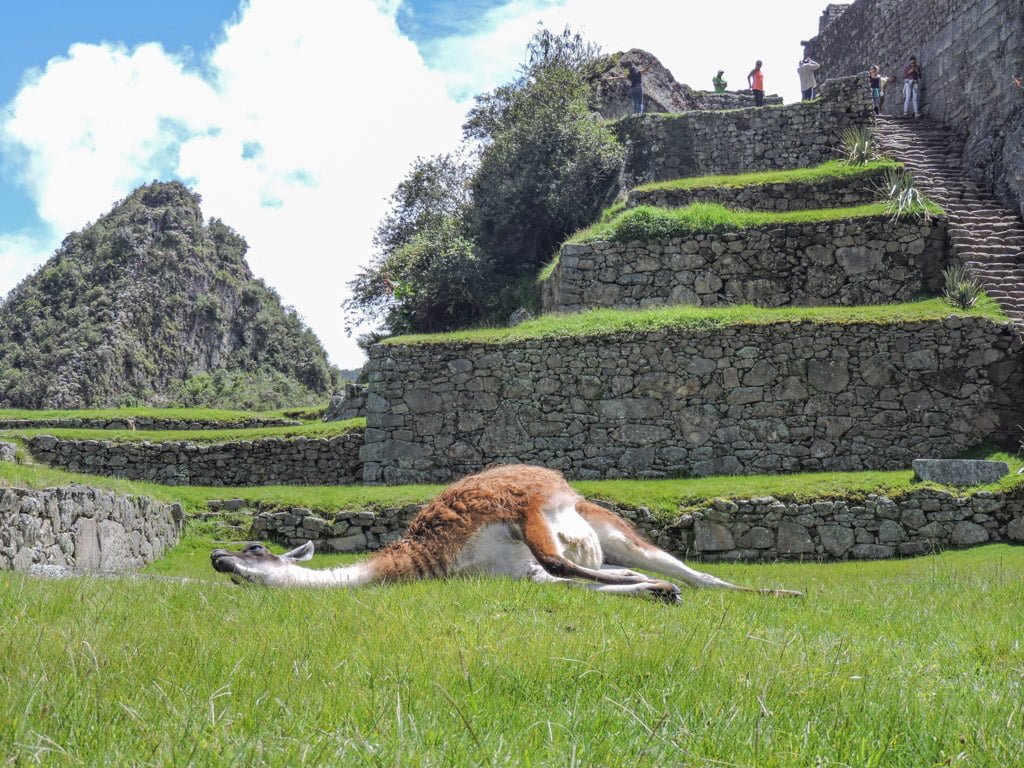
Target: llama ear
(299,554)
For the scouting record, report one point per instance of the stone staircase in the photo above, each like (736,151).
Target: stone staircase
(986,237)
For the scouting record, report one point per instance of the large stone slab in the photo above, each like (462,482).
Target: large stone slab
(960,471)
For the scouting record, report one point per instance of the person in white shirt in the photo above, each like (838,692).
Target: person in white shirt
(808,82)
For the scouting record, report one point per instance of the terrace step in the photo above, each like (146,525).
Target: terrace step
(986,237)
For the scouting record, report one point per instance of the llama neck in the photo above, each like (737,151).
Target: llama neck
(344,576)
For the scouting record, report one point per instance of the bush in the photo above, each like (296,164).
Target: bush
(962,290)
(857,145)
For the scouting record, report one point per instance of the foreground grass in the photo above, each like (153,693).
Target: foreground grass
(650,223)
(606,322)
(312,430)
(830,171)
(907,663)
(664,498)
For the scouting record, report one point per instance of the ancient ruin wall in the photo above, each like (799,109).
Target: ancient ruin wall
(661,147)
(758,529)
(84,527)
(752,399)
(271,461)
(968,49)
(842,263)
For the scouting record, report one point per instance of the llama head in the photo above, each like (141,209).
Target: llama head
(257,564)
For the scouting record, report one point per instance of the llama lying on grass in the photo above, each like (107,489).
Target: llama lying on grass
(517,521)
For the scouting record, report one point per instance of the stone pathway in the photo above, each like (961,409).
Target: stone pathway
(986,237)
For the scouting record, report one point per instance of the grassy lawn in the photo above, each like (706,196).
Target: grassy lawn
(906,663)
(606,322)
(312,430)
(830,171)
(649,223)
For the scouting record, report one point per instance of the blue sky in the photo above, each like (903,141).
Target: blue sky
(294,119)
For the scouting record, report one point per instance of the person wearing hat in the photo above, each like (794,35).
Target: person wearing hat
(719,82)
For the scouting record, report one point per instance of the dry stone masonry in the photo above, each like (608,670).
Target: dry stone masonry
(754,529)
(746,399)
(662,147)
(83,527)
(847,262)
(270,461)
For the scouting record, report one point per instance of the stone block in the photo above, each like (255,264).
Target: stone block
(712,537)
(960,471)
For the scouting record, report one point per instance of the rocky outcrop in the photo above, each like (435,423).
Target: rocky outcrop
(348,404)
(661,91)
(148,297)
(83,527)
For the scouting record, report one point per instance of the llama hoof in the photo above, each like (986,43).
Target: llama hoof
(664,591)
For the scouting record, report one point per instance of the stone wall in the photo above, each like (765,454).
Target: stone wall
(84,527)
(741,399)
(661,147)
(968,50)
(790,196)
(847,262)
(271,461)
(733,100)
(731,529)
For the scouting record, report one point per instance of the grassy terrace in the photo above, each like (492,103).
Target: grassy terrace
(607,322)
(647,223)
(665,498)
(902,663)
(316,429)
(833,170)
(176,414)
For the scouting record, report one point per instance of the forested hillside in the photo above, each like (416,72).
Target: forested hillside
(149,305)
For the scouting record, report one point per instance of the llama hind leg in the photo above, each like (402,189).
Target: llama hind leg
(659,590)
(624,546)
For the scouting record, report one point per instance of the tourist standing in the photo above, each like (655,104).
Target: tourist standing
(808,82)
(912,88)
(719,82)
(636,85)
(877,84)
(755,81)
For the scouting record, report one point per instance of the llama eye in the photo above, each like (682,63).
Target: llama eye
(254,549)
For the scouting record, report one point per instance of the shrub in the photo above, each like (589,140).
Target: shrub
(902,196)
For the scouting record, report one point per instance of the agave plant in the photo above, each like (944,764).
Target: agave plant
(857,145)
(962,290)
(902,196)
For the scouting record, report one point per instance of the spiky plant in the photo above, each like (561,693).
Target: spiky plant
(962,290)
(857,145)
(902,196)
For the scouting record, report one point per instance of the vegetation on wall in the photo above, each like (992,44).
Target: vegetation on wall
(467,232)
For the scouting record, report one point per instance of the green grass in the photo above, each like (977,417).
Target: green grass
(606,322)
(905,663)
(664,498)
(649,223)
(311,430)
(177,414)
(832,170)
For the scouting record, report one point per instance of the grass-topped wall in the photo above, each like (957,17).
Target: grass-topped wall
(835,184)
(821,390)
(661,147)
(707,255)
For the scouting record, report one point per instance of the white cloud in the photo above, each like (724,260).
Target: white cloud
(308,114)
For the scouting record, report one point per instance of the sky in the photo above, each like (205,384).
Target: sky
(295,119)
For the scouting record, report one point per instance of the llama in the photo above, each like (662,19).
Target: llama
(516,521)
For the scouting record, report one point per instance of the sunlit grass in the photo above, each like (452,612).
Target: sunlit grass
(830,171)
(903,663)
(316,429)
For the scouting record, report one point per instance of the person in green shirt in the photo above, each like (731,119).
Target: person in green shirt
(719,82)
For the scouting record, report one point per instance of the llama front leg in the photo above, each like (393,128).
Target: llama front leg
(659,590)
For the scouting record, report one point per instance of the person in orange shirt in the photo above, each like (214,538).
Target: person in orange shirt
(755,81)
